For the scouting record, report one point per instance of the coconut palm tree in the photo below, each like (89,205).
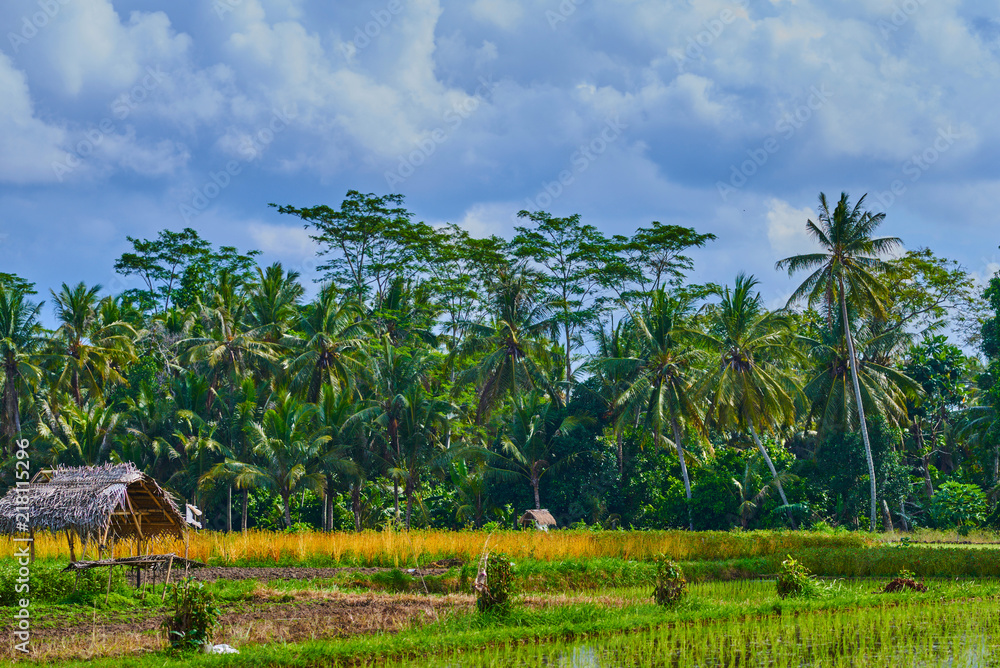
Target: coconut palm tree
(341,457)
(88,352)
(228,347)
(884,388)
(78,435)
(509,351)
(289,448)
(663,389)
(397,374)
(333,343)
(846,268)
(746,388)
(20,338)
(272,302)
(529,439)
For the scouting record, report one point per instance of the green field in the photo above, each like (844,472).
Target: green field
(571,612)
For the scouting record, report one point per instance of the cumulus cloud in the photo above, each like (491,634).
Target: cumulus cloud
(88,47)
(29,145)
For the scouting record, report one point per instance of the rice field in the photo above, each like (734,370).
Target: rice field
(958,633)
(401,549)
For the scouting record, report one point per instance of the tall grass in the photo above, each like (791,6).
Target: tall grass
(407,549)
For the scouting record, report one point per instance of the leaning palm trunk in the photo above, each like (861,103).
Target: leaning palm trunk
(774,475)
(246,501)
(684,469)
(861,409)
(356,505)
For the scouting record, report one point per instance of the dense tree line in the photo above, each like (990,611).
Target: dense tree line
(438,379)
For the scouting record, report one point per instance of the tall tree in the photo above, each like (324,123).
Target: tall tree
(652,259)
(566,249)
(847,267)
(370,241)
(176,267)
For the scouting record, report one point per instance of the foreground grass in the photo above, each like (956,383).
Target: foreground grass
(571,619)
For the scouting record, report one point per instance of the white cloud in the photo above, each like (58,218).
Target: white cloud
(786,229)
(88,47)
(287,242)
(29,146)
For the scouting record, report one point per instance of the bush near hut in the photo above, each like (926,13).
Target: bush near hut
(195,616)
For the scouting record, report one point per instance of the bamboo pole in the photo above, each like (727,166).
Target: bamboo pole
(166,583)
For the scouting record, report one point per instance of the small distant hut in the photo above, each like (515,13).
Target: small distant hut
(94,503)
(540,519)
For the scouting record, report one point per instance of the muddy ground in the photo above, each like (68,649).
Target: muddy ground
(270,617)
(211,574)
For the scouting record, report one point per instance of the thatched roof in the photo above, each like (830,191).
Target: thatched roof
(542,518)
(93,501)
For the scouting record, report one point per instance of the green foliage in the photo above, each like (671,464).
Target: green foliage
(795,580)
(48,583)
(671,587)
(194,618)
(495,595)
(958,506)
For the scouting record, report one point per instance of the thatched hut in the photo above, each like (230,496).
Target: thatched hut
(540,519)
(95,503)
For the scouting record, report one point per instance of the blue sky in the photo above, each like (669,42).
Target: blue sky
(124,118)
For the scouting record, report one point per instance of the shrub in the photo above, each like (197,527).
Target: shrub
(794,580)
(195,616)
(495,586)
(957,505)
(671,587)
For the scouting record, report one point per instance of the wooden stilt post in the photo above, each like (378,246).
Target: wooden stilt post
(107,596)
(166,583)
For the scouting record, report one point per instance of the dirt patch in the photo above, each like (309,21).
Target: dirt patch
(903,584)
(266,574)
(319,615)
